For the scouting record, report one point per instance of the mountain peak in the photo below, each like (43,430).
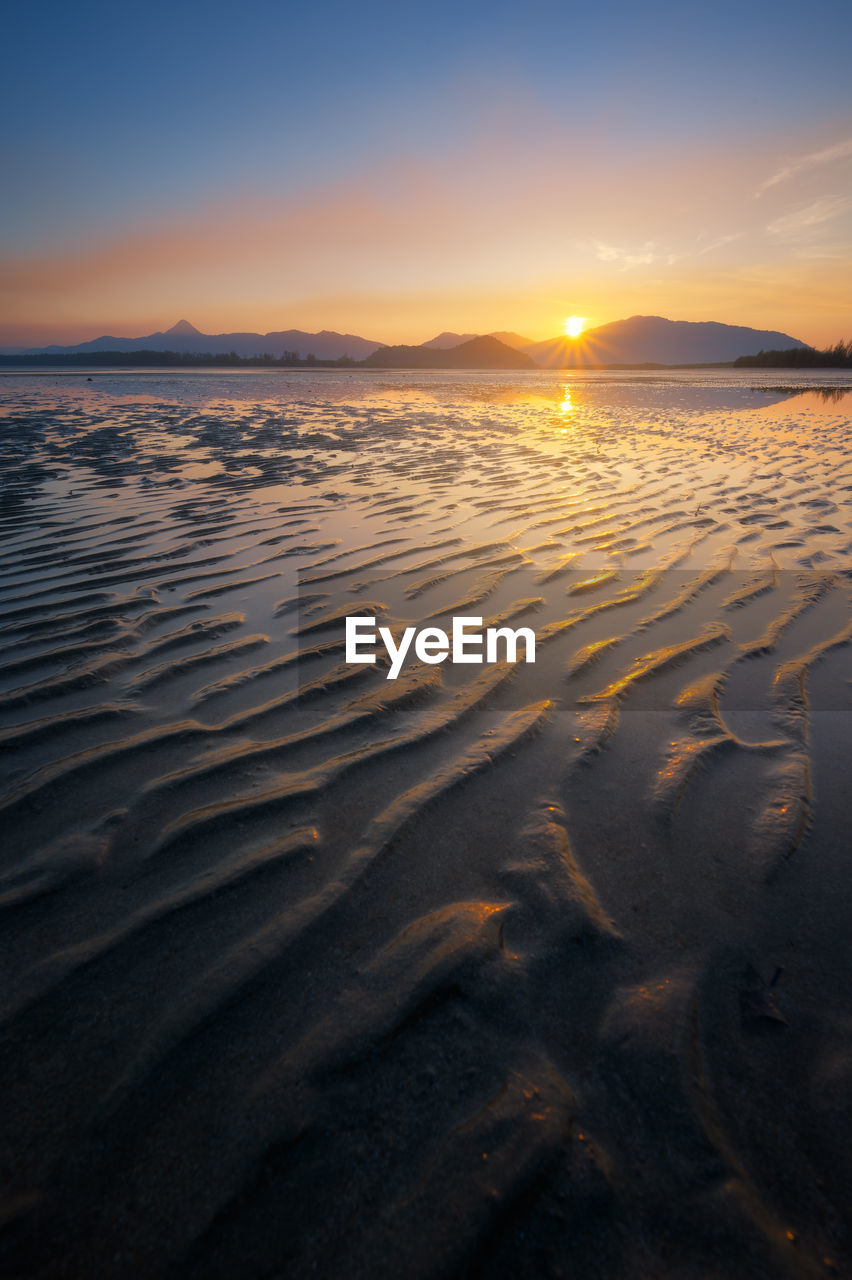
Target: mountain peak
(482,352)
(446,340)
(183,326)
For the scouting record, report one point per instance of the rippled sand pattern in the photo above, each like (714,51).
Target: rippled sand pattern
(496,971)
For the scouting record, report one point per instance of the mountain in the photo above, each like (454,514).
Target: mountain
(636,341)
(447,339)
(182,327)
(513,340)
(477,353)
(184,337)
(655,340)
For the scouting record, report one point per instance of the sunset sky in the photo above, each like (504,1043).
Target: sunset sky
(392,170)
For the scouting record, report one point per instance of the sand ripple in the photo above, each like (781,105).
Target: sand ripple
(501,971)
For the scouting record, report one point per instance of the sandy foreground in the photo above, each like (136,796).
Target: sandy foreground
(504,971)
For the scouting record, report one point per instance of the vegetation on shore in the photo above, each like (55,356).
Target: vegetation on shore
(167,359)
(836,357)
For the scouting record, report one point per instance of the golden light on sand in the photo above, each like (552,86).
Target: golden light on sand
(574,326)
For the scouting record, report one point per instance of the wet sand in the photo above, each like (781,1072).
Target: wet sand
(500,971)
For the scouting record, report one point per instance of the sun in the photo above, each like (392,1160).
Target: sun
(574,326)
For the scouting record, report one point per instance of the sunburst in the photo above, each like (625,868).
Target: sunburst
(574,326)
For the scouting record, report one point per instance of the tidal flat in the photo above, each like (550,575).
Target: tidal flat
(516,970)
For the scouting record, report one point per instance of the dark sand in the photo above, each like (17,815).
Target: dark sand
(511,971)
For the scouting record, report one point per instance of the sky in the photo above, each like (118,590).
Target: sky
(395,170)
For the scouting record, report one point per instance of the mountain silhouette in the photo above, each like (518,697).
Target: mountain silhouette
(184,337)
(476,353)
(655,340)
(513,340)
(444,341)
(447,339)
(182,327)
(639,340)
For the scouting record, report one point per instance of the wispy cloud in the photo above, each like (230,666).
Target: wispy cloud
(721,241)
(807,223)
(831,252)
(636,256)
(840,151)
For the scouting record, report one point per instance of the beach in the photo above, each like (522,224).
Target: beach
(507,969)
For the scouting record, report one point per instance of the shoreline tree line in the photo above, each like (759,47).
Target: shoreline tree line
(837,357)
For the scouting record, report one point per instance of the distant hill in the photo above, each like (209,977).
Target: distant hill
(655,340)
(444,341)
(184,337)
(513,340)
(477,353)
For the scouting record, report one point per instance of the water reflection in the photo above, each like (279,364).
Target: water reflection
(805,400)
(696,389)
(567,406)
(829,395)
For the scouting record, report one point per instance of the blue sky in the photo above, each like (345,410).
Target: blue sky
(127,123)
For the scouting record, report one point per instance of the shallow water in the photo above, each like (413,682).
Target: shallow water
(307,965)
